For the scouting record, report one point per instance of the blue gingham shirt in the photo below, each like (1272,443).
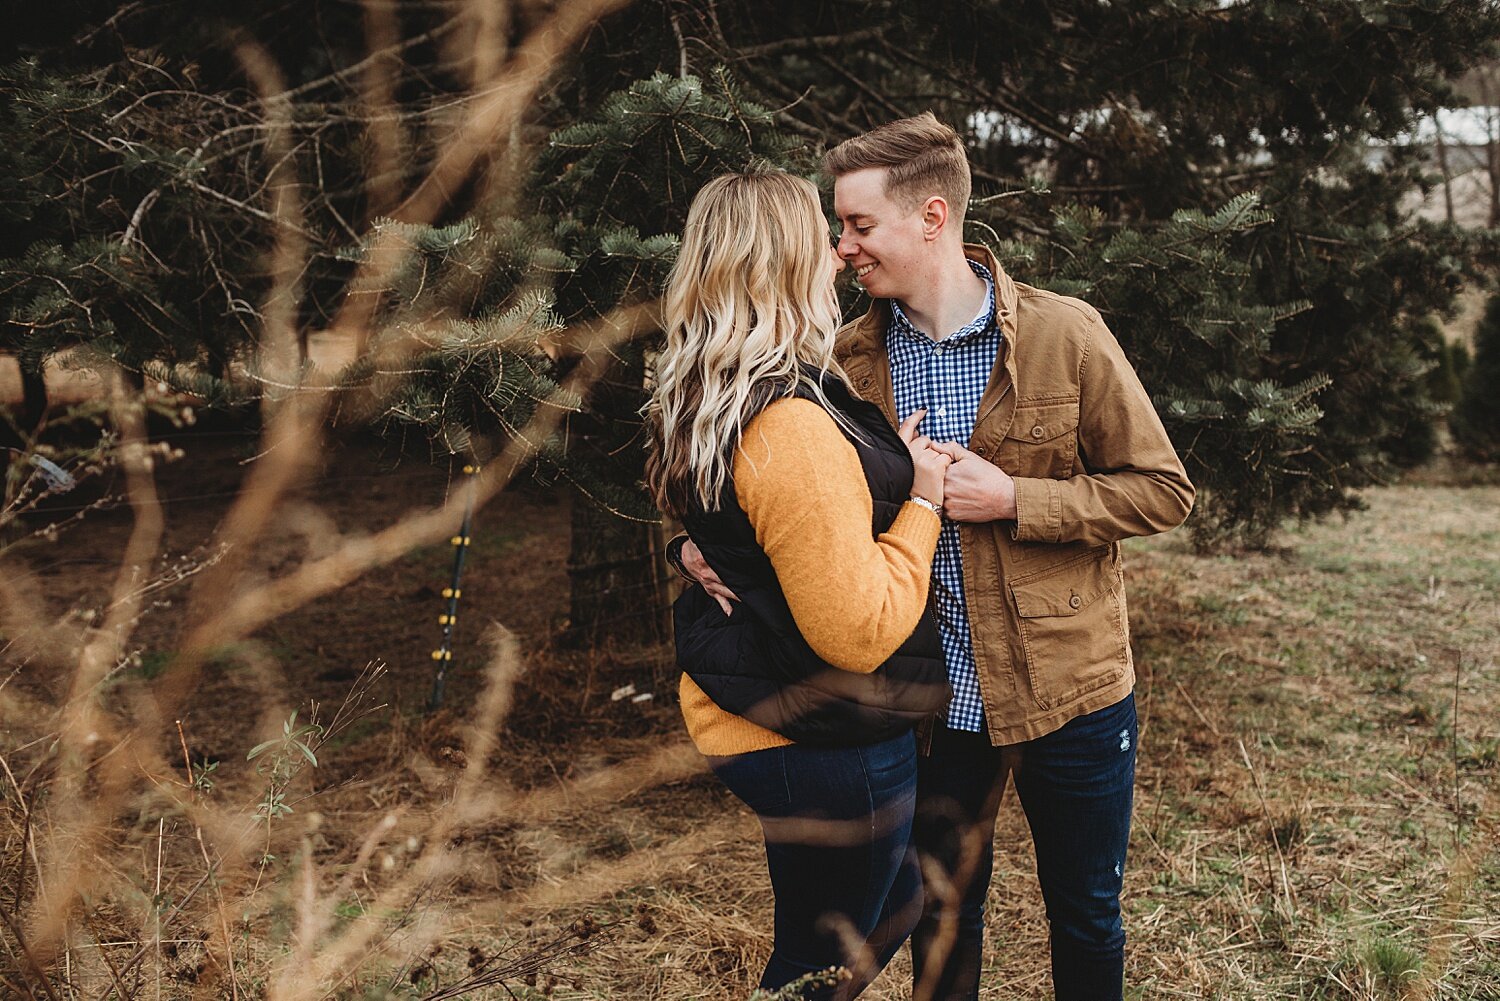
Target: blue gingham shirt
(948,378)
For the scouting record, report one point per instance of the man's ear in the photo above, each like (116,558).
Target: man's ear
(934,217)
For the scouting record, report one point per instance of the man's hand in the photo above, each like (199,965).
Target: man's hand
(694,563)
(975,490)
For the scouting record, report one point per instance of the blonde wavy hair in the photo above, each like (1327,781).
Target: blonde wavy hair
(748,304)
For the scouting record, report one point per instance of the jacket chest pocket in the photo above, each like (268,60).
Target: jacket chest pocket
(1042,442)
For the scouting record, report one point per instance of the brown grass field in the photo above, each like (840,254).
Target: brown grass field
(1315,816)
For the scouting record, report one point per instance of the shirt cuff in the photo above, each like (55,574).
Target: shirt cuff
(1038,511)
(674,556)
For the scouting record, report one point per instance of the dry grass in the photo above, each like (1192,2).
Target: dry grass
(1317,800)
(1302,784)
(1313,818)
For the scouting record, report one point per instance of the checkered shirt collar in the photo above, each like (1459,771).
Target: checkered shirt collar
(983,320)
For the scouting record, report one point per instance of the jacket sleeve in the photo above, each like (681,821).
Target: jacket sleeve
(855,598)
(1133,483)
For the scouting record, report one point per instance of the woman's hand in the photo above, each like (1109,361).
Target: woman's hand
(929,464)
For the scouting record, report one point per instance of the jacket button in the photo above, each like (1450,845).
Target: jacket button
(1075,602)
(1037,431)
(979,450)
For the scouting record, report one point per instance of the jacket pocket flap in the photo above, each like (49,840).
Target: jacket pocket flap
(1042,423)
(1067,592)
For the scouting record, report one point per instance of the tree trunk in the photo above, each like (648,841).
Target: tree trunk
(33,398)
(619,587)
(1491,145)
(617,566)
(1492,150)
(1442,159)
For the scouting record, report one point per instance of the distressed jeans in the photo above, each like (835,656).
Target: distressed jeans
(837,822)
(1075,785)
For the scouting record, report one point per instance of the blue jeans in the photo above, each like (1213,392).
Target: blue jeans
(837,823)
(1075,786)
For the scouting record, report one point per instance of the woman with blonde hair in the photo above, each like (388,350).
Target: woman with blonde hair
(822,520)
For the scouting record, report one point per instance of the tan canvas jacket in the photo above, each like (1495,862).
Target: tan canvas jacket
(1066,416)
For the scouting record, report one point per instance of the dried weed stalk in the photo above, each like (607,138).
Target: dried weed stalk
(98,900)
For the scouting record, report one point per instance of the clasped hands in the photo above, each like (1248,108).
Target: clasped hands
(964,484)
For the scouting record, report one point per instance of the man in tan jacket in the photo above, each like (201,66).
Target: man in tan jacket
(1058,455)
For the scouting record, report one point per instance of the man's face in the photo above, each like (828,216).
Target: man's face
(882,239)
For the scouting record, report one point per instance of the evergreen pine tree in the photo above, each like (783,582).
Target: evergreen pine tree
(109,247)
(1138,111)
(619,183)
(1225,182)
(612,191)
(1177,295)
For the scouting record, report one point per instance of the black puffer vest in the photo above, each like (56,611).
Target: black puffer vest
(754,663)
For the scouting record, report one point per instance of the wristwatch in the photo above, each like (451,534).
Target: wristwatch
(936,509)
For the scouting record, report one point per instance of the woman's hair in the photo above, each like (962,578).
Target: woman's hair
(748,303)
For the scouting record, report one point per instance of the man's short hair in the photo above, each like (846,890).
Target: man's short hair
(922,157)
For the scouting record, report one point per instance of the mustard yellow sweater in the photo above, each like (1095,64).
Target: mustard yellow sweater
(854,598)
